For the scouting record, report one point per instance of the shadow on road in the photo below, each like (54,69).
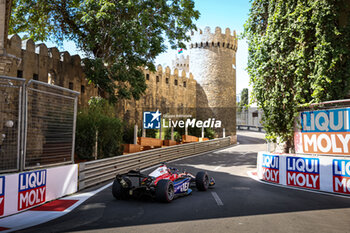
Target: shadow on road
(241,196)
(243,139)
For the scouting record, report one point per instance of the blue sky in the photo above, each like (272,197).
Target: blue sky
(222,13)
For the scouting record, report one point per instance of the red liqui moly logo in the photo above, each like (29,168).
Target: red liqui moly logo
(32,189)
(270,168)
(341,176)
(2,194)
(303,172)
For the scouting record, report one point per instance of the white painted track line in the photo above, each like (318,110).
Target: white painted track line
(217,199)
(32,218)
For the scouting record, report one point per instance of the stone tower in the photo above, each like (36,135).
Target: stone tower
(213,65)
(7,61)
(181,63)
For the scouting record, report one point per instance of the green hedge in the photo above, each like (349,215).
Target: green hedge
(110,137)
(99,117)
(84,137)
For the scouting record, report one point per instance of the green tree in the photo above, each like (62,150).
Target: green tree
(119,36)
(299,54)
(244,98)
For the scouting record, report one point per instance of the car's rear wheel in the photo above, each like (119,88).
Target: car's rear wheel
(202,181)
(165,191)
(118,191)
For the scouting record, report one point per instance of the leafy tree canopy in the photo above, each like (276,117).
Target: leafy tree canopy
(299,54)
(120,36)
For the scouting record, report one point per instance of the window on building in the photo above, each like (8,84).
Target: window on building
(175,82)
(19,73)
(157,79)
(167,80)
(223,45)
(51,77)
(82,89)
(218,44)
(212,43)
(70,85)
(147,76)
(184,84)
(207,44)
(35,76)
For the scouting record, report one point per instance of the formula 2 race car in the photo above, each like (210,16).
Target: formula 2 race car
(163,184)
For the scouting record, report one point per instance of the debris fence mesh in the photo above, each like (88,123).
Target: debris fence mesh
(50,124)
(10,122)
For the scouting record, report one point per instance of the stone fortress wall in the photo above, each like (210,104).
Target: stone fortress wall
(204,79)
(49,65)
(167,90)
(170,91)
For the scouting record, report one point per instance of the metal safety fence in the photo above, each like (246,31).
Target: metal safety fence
(37,124)
(249,116)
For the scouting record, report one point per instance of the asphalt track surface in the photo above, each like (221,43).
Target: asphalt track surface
(237,203)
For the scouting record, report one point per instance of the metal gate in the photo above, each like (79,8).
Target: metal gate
(37,124)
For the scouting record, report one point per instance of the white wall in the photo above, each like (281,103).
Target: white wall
(29,189)
(325,173)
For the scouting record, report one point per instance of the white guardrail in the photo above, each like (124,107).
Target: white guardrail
(94,172)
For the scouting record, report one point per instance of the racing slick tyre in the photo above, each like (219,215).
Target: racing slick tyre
(165,191)
(118,191)
(202,181)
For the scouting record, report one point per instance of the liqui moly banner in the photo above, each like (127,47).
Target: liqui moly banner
(323,132)
(2,194)
(324,173)
(303,172)
(32,189)
(270,168)
(341,176)
(22,191)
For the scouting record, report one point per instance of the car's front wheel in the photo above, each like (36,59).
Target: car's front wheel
(165,191)
(202,181)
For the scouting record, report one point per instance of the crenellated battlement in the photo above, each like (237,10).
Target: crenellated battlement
(50,65)
(15,46)
(168,72)
(181,63)
(206,39)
